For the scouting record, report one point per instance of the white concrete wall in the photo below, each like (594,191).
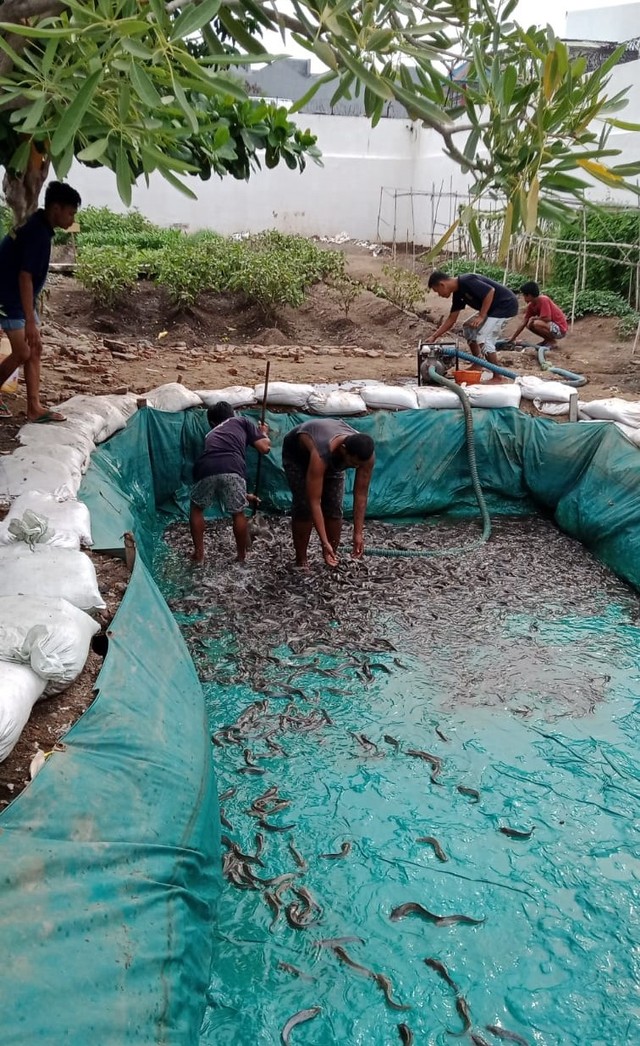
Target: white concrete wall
(343,195)
(615,23)
(353,192)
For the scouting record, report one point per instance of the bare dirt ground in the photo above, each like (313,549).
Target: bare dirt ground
(222,341)
(145,342)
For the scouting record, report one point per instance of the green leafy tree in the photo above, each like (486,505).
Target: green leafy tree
(140,87)
(116,84)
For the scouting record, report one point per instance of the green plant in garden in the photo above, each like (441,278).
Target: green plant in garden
(628,325)
(108,272)
(144,87)
(604,229)
(405,288)
(345,291)
(196,264)
(105,223)
(312,262)
(589,303)
(270,280)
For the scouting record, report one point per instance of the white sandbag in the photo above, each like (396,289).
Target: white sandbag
(390,397)
(172,397)
(68,519)
(613,409)
(39,472)
(50,572)
(434,397)
(72,457)
(79,409)
(284,393)
(126,403)
(49,635)
(534,388)
(495,395)
(553,410)
(20,688)
(60,434)
(633,435)
(235,395)
(89,425)
(335,402)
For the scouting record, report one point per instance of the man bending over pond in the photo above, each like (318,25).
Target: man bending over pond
(315,456)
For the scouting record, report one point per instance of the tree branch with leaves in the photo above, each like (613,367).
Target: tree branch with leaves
(144,87)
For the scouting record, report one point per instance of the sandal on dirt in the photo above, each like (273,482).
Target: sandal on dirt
(4,411)
(48,416)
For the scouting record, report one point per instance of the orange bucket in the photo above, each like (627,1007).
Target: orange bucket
(467,377)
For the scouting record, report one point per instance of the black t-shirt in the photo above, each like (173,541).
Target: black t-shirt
(27,249)
(472,290)
(225,448)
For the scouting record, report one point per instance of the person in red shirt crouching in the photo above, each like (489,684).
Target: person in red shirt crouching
(542,317)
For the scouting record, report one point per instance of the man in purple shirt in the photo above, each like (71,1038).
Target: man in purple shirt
(221,475)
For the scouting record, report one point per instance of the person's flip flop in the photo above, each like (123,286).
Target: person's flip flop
(4,411)
(48,416)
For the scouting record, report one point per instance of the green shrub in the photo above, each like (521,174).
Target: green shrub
(102,222)
(312,263)
(198,263)
(108,272)
(628,325)
(345,291)
(406,288)
(149,262)
(269,278)
(608,225)
(589,303)
(150,239)
(271,269)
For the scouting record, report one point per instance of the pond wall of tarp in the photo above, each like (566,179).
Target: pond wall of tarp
(110,857)
(586,475)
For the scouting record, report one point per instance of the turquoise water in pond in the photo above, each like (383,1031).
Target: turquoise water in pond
(538,712)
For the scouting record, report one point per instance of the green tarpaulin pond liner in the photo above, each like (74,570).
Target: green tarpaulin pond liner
(110,859)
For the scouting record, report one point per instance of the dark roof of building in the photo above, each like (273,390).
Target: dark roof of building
(290,78)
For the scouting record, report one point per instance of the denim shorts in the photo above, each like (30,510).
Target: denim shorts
(10,324)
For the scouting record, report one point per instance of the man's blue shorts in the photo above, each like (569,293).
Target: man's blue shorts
(8,324)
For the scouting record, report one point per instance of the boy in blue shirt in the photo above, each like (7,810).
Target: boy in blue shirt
(25,254)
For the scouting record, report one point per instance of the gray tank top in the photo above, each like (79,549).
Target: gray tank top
(322,431)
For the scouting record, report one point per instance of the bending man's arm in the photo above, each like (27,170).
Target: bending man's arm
(360,496)
(477,321)
(315,479)
(446,325)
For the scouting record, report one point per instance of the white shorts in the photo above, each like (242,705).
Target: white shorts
(486,335)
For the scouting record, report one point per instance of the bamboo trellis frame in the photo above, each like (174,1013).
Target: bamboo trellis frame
(445,205)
